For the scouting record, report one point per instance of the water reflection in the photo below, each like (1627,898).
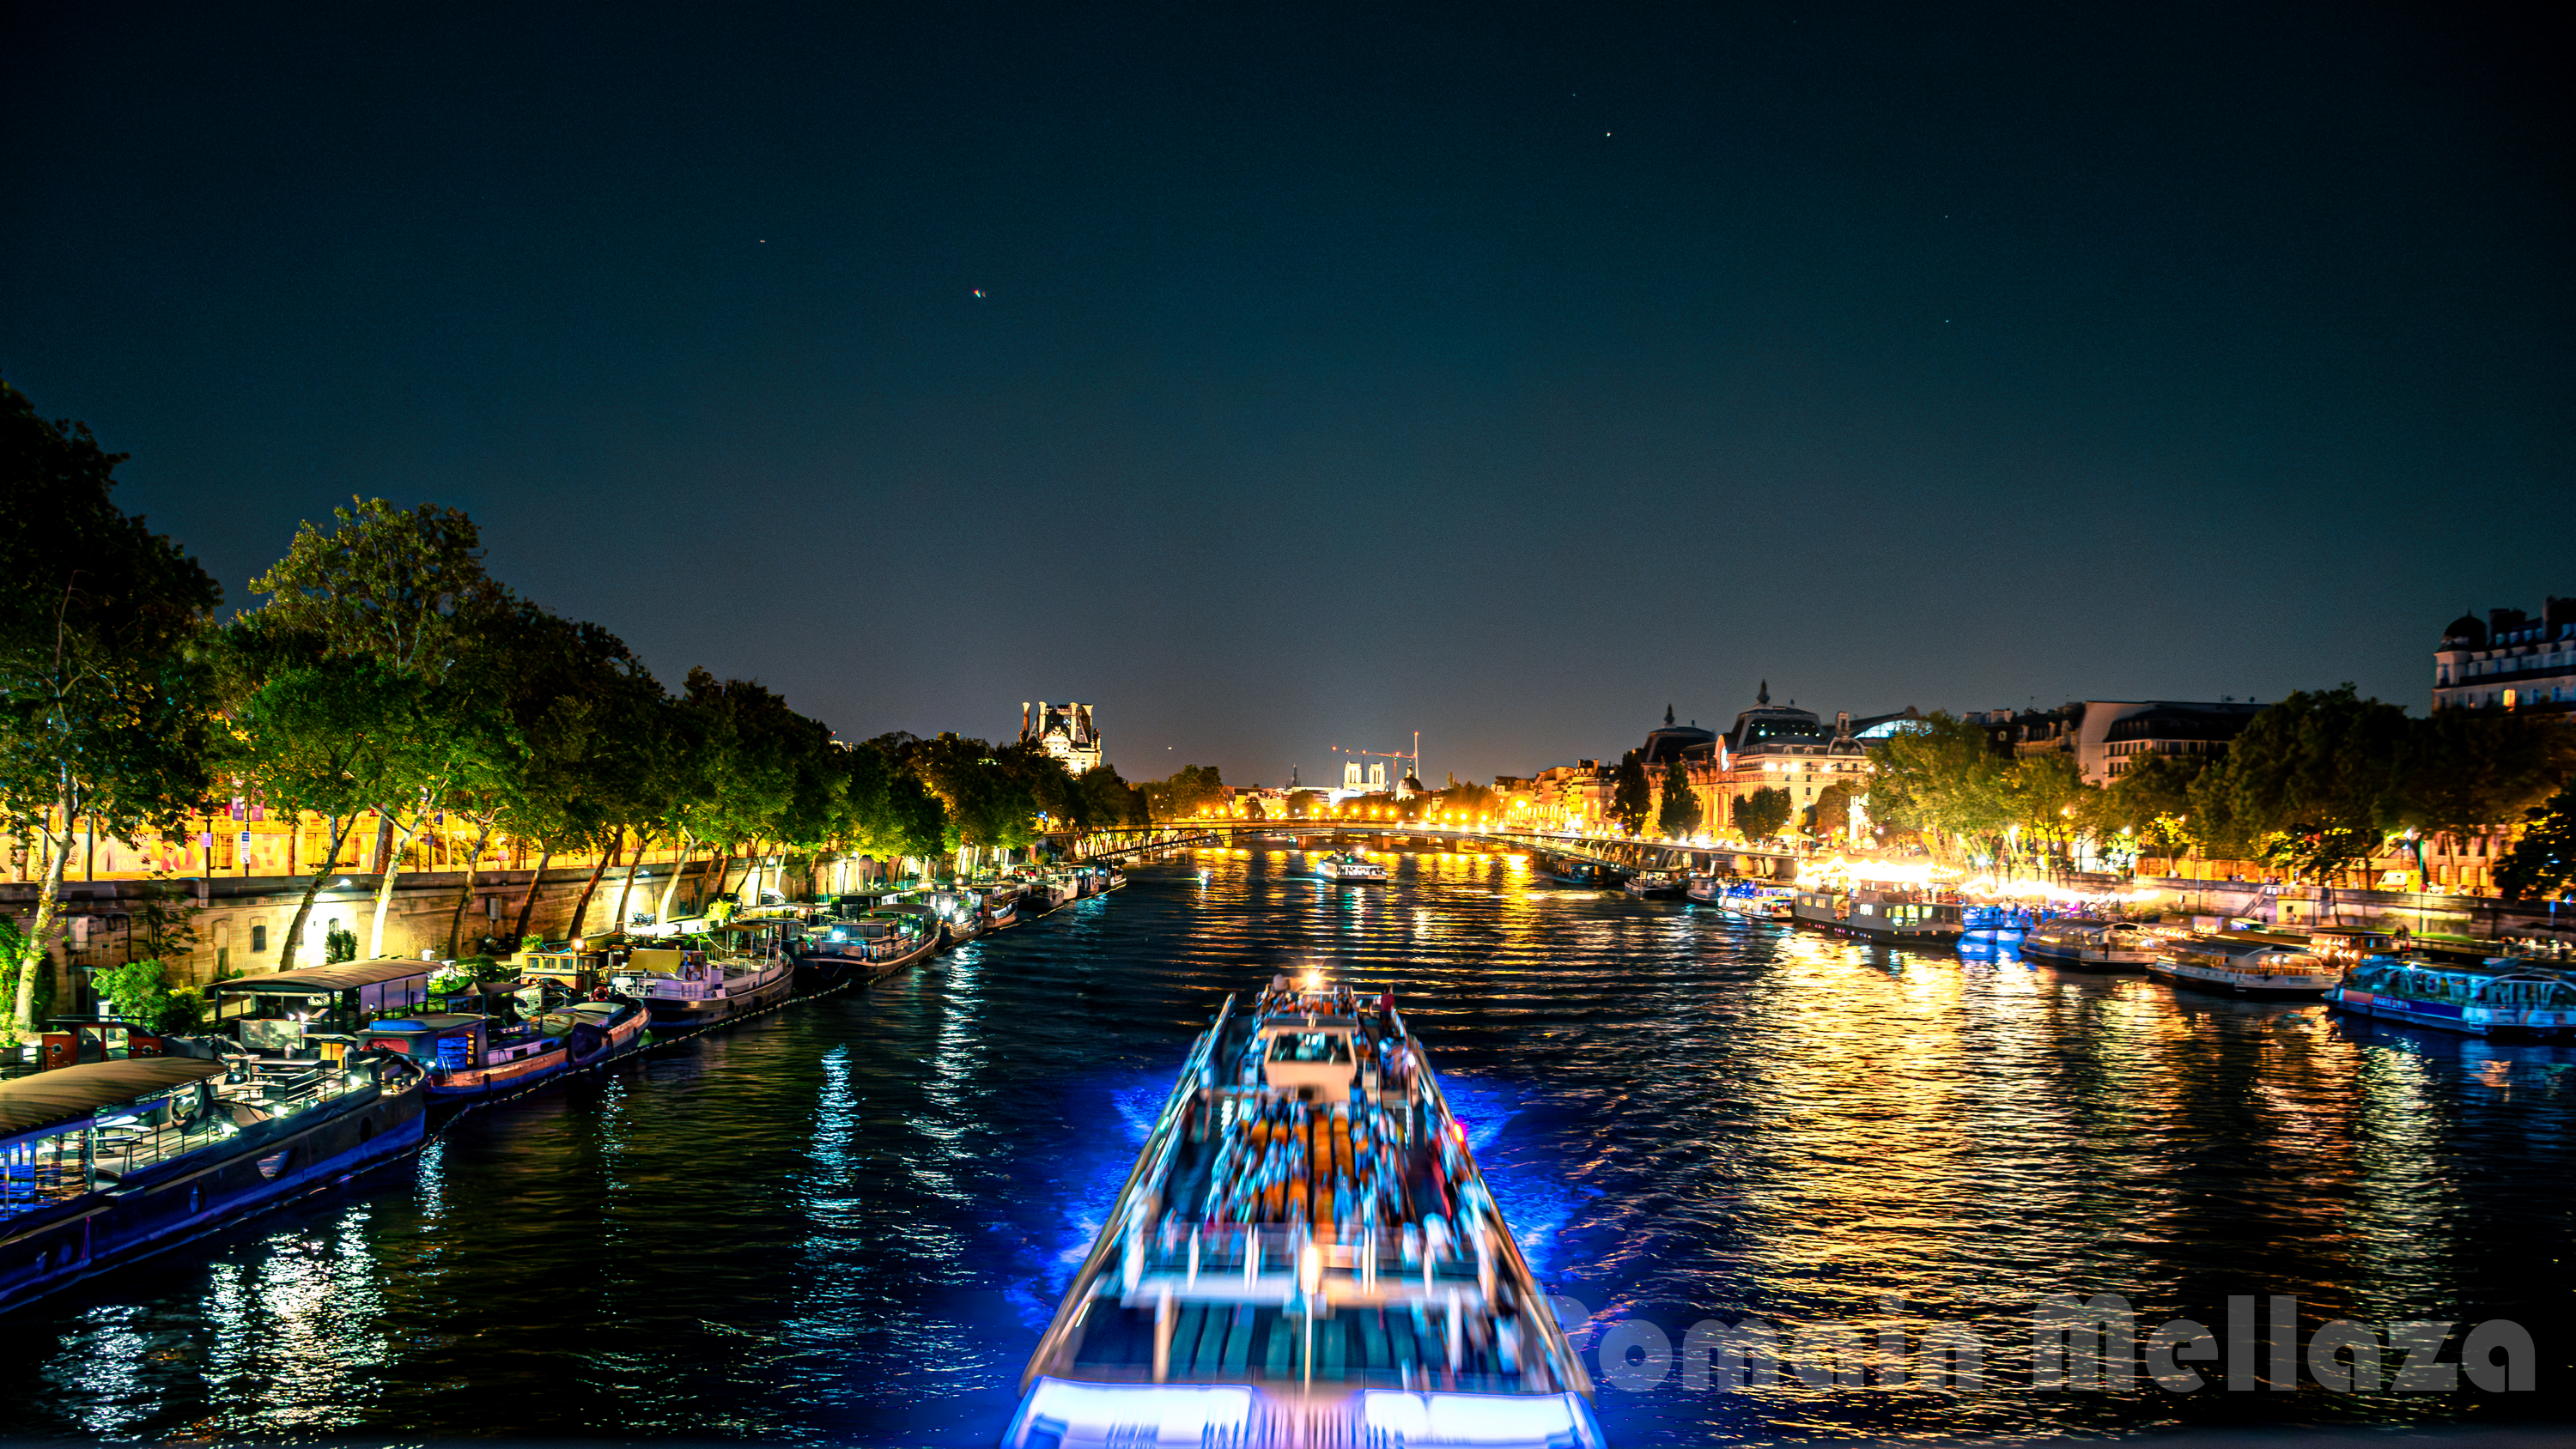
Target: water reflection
(850,1221)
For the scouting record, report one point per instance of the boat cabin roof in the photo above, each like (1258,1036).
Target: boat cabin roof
(342,976)
(439,1024)
(2239,947)
(73,1094)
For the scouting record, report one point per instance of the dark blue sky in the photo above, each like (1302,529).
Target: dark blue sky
(1343,373)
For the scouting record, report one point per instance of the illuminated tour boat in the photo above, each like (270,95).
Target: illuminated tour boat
(2498,996)
(2246,967)
(2083,945)
(686,987)
(1351,868)
(104,1163)
(1897,917)
(1305,1254)
(1741,898)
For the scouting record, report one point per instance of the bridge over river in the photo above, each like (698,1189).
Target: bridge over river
(1620,852)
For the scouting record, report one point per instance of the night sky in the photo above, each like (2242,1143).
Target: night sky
(1337,374)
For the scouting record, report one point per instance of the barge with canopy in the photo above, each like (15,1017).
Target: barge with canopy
(1305,1254)
(105,1163)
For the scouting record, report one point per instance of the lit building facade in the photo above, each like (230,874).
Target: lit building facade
(2108,737)
(1064,731)
(2510,660)
(1777,747)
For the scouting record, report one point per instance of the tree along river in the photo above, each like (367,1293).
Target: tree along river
(849,1221)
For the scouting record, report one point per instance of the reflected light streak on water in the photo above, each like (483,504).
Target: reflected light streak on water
(849,1222)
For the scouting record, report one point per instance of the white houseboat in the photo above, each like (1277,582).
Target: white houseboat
(2246,968)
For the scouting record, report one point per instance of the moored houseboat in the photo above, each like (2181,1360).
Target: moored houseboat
(1305,1254)
(2246,967)
(470,1055)
(105,1163)
(686,986)
(2499,996)
(866,947)
(1894,916)
(2083,945)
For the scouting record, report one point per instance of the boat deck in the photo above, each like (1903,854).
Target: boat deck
(1306,1218)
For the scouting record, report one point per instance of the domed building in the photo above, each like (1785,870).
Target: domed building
(2509,660)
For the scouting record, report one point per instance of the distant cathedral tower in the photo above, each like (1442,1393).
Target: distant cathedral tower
(1064,731)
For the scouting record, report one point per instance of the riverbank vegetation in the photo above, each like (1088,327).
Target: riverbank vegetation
(386,676)
(2316,786)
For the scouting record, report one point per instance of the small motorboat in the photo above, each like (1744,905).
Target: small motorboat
(1654,885)
(1351,868)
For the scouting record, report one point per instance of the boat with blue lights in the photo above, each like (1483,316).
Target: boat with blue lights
(1747,900)
(1305,1254)
(2491,996)
(104,1163)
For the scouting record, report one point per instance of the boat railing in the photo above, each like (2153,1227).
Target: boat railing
(1123,1217)
(1561,1358)
(269,1089)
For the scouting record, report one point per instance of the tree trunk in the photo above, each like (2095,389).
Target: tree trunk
(465,893)
(627,887)
(722,866)
(529,905)
(312,888)
(391,862)
(31,952)
(679,868)
(581,908)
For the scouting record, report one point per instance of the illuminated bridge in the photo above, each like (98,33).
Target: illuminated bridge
(1621,852)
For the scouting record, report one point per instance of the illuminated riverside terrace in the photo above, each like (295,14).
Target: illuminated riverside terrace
(854,1221)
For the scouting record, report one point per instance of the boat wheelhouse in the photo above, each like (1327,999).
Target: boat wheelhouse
(1906,917)
(2245,967)
(2500,996)
(1351,868)
(1305,1253)
(2083,945)
(104,1163)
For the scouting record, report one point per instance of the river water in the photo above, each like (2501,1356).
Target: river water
(848,1222)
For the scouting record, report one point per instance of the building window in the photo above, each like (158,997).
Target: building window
(258,939)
